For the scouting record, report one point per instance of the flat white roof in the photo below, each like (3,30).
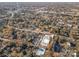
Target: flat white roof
(45,40)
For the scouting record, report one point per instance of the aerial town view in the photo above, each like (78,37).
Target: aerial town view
(39,29)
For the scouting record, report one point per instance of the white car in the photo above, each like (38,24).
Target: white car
(40,51)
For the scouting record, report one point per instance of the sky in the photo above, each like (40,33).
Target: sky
(39,0)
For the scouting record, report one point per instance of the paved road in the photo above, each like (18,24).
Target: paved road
(34,31)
